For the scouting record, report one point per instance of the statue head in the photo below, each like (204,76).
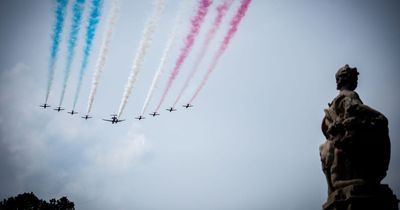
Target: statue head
(346,78)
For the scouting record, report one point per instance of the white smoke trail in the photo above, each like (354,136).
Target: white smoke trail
(101,61)
(174,34)
(144,45)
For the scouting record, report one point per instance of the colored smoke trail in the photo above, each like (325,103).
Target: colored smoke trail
(165,56)
(57,29)
(231,32)
(94,18)
(141,52)
(221,11)
(77,11)
(101,61)
(196,23)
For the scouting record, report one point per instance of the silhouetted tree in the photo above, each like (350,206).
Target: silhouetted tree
(28,201)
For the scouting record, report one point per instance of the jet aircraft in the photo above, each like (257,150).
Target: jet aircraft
(59,109)
(72,112)
(44,105)
(188,105)
(171,109)
(140,117)
(86,117)
(154,114)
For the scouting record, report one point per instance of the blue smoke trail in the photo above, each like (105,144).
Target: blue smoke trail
(94,19)
(77,11)
(57,29)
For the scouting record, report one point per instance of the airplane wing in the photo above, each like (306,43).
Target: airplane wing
(120,120)
(107,120)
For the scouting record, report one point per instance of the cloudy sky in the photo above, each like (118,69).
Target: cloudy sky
(251,140)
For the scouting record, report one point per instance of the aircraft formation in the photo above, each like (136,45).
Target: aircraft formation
(114,119)
(195,24)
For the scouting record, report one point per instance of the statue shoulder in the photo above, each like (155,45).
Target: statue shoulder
(349,94)
(346,95)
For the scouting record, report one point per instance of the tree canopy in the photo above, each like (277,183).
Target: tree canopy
(29,201)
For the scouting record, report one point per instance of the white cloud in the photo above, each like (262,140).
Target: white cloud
(55,156)
(121,153)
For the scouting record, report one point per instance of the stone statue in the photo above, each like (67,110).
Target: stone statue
(356,154)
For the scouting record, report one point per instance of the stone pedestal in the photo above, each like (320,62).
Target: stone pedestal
(362,197)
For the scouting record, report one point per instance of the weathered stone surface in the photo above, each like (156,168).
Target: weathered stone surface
(379,197)
(356,154)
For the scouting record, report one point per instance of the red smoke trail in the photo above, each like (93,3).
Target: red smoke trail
(197,21)
(221,11)
(233,28)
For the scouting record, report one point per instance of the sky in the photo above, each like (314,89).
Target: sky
(250,141)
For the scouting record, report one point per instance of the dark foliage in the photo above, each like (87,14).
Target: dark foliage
(28,201)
